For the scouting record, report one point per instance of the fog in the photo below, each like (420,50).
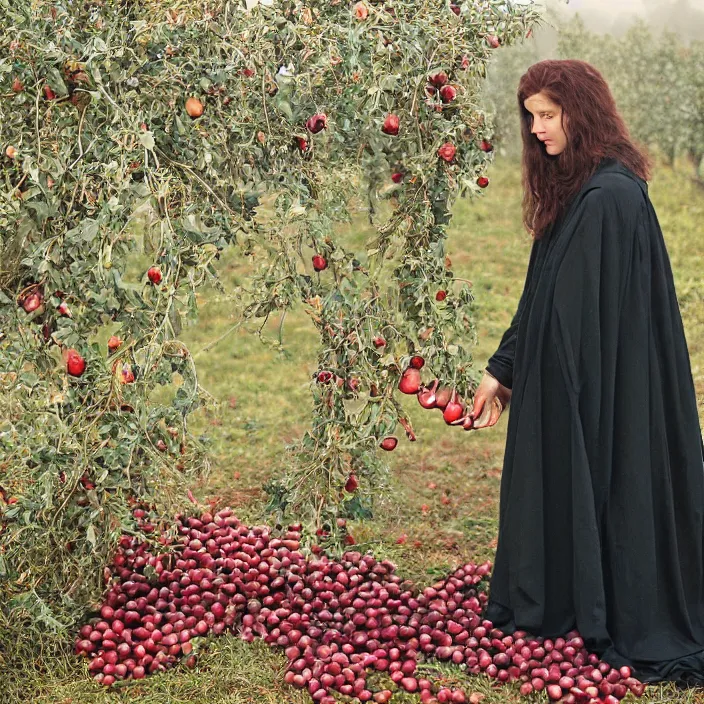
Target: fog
(685,17)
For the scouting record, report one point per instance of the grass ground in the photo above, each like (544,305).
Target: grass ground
(444,487)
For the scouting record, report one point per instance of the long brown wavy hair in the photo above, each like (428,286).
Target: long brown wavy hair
(595,130)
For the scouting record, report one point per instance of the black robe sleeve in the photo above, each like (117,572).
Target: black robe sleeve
(500,364)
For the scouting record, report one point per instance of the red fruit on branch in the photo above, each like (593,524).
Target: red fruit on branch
(360,11)
(17,85)
(493,41)
(64,309)
(75,364)
(324,377)
(302,144)
(379,342)
(453,411)
(417,362)
(410,381)
(426,397)
(154,274)
(443,396)
(389,443)
(447,151)
(391,125)
(317,123)
(114,343)
(126,374)
(438,79)
(486,146)
(48,92)
(194,107)
(397,177)
(320,262)
(441,295)
(32,301)
(351,484)
(482,182)
(448,94)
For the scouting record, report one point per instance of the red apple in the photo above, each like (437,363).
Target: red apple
(397,177)
(389,443)
(360,11)
(379,342)
(75,364)
(448,93)
(447,151)
(317,122)
(438,79)
(391,124)
(351,484)
(441,295)
(319,262)
(486,146)
(154,274)
(114,343)
(482,182)
(417,362)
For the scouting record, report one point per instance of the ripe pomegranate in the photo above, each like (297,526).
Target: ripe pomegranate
(493,41)
(10,152)
(194,107)
(410,381)
(75,364)
(447,151)
(379,342)
(397,177)
(448,93)
(114,343)
(486,146)
(391,124)
(154,274)
(482,182)
(360,11)
(317,122)
(441,295)
(64,309)
(438,79)
(247,72)
(389,443)
(417,362)
(320,262)
(351,484)
(48,92)
(302,144)
(324,377)
(17,85)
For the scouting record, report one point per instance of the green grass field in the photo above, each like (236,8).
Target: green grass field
(444,486)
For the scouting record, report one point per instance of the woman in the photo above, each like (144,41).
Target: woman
(601,521)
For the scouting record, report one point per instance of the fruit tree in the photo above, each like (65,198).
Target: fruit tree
(175,131)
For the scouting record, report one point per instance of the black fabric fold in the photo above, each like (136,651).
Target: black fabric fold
(601,523)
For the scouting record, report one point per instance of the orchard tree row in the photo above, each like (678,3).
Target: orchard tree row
(230,124)
(657,81)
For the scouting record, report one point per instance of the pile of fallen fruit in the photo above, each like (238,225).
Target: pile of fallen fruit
(336,620)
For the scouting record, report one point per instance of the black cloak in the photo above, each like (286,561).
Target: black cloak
(601,518)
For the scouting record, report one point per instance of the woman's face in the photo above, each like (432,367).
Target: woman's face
(546,122)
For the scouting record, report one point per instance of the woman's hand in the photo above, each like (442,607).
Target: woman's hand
(490,400)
